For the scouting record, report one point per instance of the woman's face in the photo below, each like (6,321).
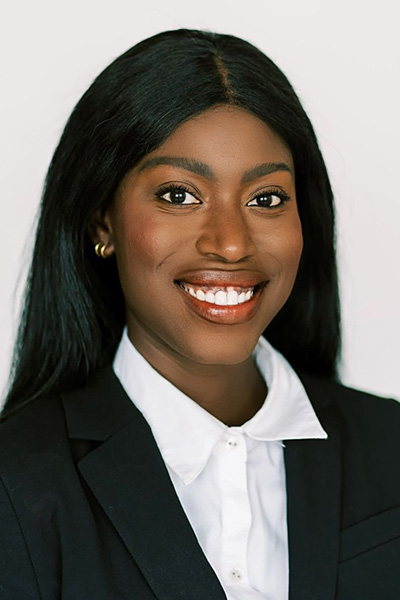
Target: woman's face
(207,238)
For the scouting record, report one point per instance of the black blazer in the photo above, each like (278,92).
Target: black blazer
(88,511)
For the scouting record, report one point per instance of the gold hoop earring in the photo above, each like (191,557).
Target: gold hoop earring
(100,248)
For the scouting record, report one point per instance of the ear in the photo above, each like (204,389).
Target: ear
(100,230)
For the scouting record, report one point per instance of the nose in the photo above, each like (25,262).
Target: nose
(226,236)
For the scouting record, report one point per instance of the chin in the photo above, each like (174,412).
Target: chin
(222,349)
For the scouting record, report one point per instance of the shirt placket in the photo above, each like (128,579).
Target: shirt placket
(235,508)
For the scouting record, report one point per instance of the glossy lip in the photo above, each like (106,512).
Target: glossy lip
(227,315)
(222,278)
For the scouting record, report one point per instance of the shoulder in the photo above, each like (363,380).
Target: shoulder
(369,428)
(35,431)
(38,490)
(354,408)
(38,475)
(368,425)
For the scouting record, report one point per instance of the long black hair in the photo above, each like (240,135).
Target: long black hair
(73,314)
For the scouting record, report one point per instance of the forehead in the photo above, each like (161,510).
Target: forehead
(226,136)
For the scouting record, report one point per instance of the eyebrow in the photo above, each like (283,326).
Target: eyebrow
(189,164)
(200,168)
(265,169)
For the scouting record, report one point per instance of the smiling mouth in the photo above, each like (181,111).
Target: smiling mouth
(220,295)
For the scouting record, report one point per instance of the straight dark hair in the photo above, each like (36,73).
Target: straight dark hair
(74,314)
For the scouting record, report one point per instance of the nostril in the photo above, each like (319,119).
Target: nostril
(228,242)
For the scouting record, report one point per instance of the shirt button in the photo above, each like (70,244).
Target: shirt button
(236,575)
(232,443)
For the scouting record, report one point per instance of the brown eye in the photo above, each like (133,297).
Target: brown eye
(269,199)
(178,196)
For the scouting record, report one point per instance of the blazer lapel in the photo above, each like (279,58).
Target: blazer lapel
(128,476)
(313,480)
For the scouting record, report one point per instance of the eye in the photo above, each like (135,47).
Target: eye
(270,199)
(178,195)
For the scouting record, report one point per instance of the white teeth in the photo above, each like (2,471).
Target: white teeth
(221,298)
(227,297)
(233,298)
(210,297)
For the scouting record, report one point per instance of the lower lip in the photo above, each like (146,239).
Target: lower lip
(227,315)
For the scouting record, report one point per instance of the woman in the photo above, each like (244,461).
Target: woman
(154,444)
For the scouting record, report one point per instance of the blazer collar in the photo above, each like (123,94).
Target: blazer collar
(128,477)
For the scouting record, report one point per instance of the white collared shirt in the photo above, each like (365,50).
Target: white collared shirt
(229,480)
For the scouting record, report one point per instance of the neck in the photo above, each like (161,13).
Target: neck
(231,393)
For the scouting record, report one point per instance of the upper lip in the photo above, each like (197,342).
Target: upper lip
(223,278)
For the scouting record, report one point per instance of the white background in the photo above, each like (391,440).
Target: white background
(342,58)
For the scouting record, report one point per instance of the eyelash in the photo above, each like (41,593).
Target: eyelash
(173,187)
(283,196)
(182,188)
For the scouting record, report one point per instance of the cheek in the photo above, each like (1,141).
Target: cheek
(285,244)
(141,243)
(294,244)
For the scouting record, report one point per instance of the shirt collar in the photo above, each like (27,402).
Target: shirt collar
(186,433)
